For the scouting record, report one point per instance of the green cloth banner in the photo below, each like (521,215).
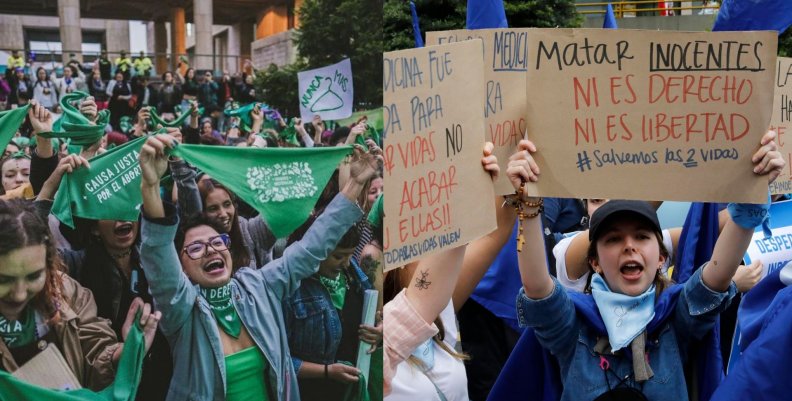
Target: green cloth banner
(177,123)
(123,388)
(283,184)
(75,126)
(10,120)
(109,190)
(243,112)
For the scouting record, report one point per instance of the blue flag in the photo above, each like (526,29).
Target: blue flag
(416,28)
(762,370)
(610,19)
(697,240)
(484,14)
(753,15)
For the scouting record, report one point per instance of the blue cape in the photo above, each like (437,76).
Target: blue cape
(533,373)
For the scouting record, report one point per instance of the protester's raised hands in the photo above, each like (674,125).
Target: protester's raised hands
(489,161)
(148,321)
(364,165)
(522,166)
(343,373)
(768,160)
(153,158)
(256,113)
(746,277)
(40,118)
(88,109)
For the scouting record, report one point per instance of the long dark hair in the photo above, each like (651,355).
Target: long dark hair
(239,251)
(23,227)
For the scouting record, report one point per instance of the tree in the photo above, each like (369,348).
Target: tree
(440,15)
(332,30)
(278,87)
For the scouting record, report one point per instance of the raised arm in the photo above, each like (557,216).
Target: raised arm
(483,251)
(736,235)
(172,292)
(532,260)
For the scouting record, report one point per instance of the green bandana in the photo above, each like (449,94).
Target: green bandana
(375,214)
(10,120)
(283,184)
(21,141)
(18,333)
(125,123)
(109,190)
(76,126)
(123,388)
(337,289)
(243,112)
(19,154)
(177,123)
(374,122)
(225,314)
(289,134)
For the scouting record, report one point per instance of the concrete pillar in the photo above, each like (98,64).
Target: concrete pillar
(116,37)
(178,37)
(203,34)
(297,5)
(160,46)
(240,37)
(70,30)
(273,20)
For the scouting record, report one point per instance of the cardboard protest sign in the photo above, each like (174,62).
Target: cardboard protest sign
(434,133)
(326,91)
(781,122)
(775,251)
(649,114)
(505,64)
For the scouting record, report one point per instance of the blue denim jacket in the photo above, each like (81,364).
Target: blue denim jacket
(313,323)
(562,332)
(258,295)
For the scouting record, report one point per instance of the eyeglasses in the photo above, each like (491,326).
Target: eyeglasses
(197,249)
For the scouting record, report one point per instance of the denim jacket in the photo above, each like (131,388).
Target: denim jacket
(187,321)
(562,332)
(313,324)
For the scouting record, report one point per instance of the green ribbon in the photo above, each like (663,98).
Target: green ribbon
(74,125)
(18,333)
(223,309)
(283,184)
(337,289)
(123,388)
(10,120)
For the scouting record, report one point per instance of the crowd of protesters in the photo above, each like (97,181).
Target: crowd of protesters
(227,309)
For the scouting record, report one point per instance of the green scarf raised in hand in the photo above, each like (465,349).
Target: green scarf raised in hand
(108,190)
(177,123)
(283,184)
(243,112)
(74,125)
(223,309)
(10,120)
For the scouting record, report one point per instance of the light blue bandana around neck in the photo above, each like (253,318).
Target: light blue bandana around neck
(625,317)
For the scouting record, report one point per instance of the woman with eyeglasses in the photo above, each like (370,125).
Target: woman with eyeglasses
(227,330)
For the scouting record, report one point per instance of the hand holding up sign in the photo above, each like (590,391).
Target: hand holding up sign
(768,160)
(153,163)
(522,166)
(746,277)
(362,167)
(65,165)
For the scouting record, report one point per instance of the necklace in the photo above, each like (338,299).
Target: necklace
(120,255)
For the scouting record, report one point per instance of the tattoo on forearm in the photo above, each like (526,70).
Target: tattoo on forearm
(421,283)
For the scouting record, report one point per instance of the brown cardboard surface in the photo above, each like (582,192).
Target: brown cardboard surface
(781,122)
(654,115)
(48,369)
(439,196)
(505,65)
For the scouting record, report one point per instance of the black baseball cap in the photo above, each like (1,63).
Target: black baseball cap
(617,207)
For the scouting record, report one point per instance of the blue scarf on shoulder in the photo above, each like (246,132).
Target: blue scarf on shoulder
(533,373)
